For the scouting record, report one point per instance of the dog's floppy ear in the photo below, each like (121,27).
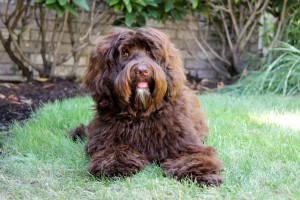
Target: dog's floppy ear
(167,56)
(175,72)
(101,62)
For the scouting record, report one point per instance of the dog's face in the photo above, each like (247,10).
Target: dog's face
(134,69)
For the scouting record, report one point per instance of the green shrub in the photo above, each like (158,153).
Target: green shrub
(279,74)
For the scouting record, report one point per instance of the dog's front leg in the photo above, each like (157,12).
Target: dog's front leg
(120,160)
(201,166)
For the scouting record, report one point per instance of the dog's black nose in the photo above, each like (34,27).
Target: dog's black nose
(141,70)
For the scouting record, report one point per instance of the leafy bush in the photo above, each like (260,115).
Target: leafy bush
(60,6)
(137,11)
(279,74)
(292,33)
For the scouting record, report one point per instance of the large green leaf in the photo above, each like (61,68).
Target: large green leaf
(151,3)
(82,4)
(129,17)
(59,10)
(194,3)
(112,2)
(62,2)
(176,15)
(140,21)
(117,7)
(139,8)
(72,10)
(141,2)
(169,5)
(128,7)
(50,1)
(153,13)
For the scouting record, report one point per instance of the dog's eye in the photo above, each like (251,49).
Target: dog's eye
(125,54)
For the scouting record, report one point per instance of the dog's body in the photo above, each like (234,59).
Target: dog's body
(144,111)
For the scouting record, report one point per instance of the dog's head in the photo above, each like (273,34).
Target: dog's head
(135,70)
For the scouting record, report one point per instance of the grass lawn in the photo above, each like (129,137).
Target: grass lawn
(257,137)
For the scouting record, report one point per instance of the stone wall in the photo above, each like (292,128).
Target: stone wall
(195,61)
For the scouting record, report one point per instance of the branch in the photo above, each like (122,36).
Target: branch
(15,23)
(211,49)
(225,73)
(89,30)
(249,6)
(226,31)
(69,55)
(221,35)
(43,35)
(18,48)
(249,35)
(250,20)
(58,44)
(275,40)
(231,13)
(13,14)
(220,8)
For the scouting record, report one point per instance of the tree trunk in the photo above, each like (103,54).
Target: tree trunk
(45,73)
(236,60)
(25,69)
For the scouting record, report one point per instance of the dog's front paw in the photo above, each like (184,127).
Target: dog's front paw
(117,161)
(209,179)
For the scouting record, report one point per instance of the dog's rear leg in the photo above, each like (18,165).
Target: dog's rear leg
(201,166)
(80,132)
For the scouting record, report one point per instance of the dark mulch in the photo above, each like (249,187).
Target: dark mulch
(18,100)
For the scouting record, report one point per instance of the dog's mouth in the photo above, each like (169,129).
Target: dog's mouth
(142,85)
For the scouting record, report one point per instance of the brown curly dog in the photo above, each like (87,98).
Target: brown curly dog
(144,111)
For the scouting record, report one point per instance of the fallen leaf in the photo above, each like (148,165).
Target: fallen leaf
(9,85)
(13,97)
(27,101)
(221,84)
(50,85)
(41,79)
(245,72)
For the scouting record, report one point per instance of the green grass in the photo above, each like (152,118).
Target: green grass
(258,140)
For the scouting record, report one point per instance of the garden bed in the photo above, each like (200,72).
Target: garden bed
(18,100)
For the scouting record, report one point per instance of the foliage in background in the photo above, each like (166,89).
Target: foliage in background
(279,74)
(291,33)
(60,6)
(234,21)
(136,12)
(279,70)
(238,22)
(19,17)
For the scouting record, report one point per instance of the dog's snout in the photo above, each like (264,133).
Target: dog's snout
(141,70)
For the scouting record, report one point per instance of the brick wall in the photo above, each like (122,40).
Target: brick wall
(195,61)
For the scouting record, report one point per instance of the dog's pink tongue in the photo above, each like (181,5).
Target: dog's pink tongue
(142,85)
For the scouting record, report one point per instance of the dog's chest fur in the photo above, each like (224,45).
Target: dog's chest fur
(158,135)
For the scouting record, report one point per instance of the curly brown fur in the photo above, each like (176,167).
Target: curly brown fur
(80,132)
(144,111)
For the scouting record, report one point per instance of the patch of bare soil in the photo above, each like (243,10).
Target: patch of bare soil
(18,100)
